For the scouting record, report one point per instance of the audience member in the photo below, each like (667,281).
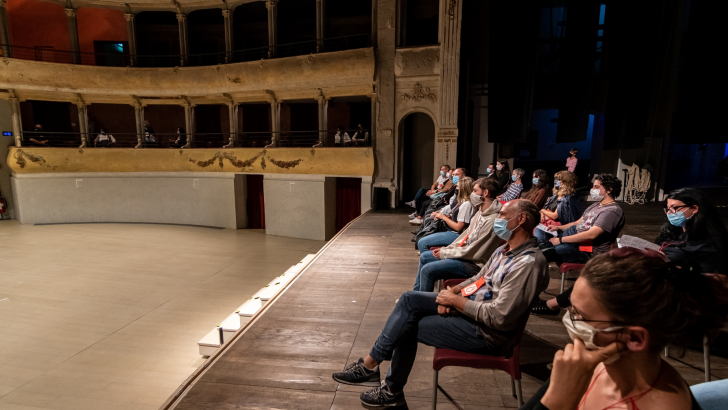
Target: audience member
(599,225)
(149,138)
(491,307)
(516,186)
(359,137)
(489,172)
(103,139)
(441,184)
(502,175)
(694,232)
(36,138)
(454,217)
(539,190)
(466,254)
(571,161)
(341,139)
(564,207)
(626,307)
(449,198)
(181,140)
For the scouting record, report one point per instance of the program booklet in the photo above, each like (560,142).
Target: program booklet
(635,242)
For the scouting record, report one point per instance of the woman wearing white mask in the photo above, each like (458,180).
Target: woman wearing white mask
(627,305)
(456,216)
(502,175)
(599,225)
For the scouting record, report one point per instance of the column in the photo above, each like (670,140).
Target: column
(189,123)
(275,117)
(184,48)
(228,16)
(17,126)
(73,36)
(139,115)
(131,34)
(271,5)
(4,37)
(323,105)
(233,120)
(447,135)
(83,122)
(320,13)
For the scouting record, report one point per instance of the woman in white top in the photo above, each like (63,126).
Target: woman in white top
(456,218)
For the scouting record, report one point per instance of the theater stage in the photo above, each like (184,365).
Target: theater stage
(331,316)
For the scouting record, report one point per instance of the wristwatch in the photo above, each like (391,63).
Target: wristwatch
(560,241)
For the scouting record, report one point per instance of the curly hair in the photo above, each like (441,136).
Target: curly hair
(674,303)
(611,184)
(568,183)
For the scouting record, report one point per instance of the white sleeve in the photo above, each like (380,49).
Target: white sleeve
(466,212)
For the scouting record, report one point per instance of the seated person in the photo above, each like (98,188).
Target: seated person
(694,232)
(150,140)
(502,174)
(515,188)
(341,139)
(181,140)
(539,190)
(490,171)
(627,305)
(36,138)
(455,217)
(564,207)
(443,184)
(359,137)
(450,197)
(103,139)
(489,313)
(465,255)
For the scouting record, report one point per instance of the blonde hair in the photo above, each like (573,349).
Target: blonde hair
(465,188)
(568,183)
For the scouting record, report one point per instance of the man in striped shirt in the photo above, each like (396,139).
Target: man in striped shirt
(516,186)
(492,307)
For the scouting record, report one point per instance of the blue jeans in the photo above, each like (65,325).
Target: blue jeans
(711,395)
(415,319)
(541,236)
(570,253)
(432,269)
(436,239)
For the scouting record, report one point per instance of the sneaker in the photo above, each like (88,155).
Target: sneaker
(415,221)
(380,396)
(411,203)
(540,308)
(413,215)
(358,375)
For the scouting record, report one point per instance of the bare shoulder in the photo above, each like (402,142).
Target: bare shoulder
(671,392)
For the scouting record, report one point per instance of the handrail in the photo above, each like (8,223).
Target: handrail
(203,59)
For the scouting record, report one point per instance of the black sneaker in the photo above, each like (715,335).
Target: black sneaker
(540,308)
(358,375)
(380,396)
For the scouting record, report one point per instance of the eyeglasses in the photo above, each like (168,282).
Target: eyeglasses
(575,316)
(669,210)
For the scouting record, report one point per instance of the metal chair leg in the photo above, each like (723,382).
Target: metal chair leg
(563,277)
(667,351)
(706,358)
(513,387)
(519,393)
(434,391)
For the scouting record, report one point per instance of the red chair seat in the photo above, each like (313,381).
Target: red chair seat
(447,357)
(567,267)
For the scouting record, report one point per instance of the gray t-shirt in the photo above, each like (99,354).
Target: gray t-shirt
(610,218)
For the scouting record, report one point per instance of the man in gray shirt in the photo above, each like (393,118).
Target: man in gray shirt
(481,315)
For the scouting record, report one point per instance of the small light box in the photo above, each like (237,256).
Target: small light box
(7,133)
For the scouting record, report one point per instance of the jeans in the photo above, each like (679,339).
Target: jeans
(415,319)
(570,253)
(420,196)
(436,239)
(433,269)
(541,236)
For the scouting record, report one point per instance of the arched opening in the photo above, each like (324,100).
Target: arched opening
(250,31)
(419,23)
(207,37)
(417,133)
(157,38)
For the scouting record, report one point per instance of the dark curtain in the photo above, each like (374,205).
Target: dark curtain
(256,202)
(576,69)
(348,201)
(513,52)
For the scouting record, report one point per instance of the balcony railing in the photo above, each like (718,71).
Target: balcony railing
(143,60)
(291,139)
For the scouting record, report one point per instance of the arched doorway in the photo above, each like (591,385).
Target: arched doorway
(417,133)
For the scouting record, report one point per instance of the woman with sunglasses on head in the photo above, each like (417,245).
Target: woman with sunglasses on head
(627,305)
(694,232)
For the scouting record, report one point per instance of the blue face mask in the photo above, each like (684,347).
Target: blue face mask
(514,178)
(677,219)
(557,183)
(455,180)
(500,227)
(442,173)
(535,181)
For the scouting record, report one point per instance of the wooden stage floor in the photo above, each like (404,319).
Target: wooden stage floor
(332,314)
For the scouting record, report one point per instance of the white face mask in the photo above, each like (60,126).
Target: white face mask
(586,333)
(596,194)
(499,167)
(475,200)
